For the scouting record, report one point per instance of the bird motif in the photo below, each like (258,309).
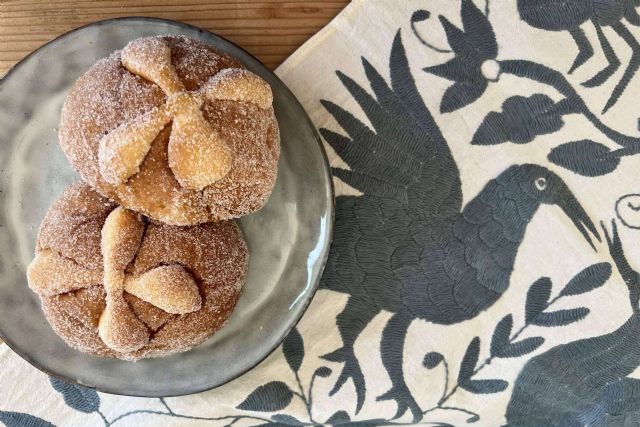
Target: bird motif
(569,15)
(407,245)
(585,382)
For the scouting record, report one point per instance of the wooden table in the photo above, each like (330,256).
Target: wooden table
(269,29)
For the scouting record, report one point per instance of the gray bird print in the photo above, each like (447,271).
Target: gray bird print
(569,15)
(585,383)
(407,245)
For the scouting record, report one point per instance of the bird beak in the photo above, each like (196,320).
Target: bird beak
(581,220)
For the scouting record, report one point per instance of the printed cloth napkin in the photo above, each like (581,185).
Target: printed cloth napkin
(484,268)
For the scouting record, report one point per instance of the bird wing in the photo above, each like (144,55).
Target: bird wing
(409,180)
(405,156)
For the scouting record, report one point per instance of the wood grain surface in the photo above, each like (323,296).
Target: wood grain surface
(269,29)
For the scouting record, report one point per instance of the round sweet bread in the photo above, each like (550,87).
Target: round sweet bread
(173,128)
(113,283)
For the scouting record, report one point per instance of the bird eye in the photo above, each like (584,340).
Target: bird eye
(541,183)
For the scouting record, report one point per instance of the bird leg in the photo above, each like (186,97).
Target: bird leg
(631,15)
(392,351)
(631,69)
(351,322)
(613,61)
(585,51)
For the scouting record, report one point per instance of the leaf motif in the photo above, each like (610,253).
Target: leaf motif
(520,348)
(484,386)
(340,417)
(537,298)
(287,420)
(588,279)
(420,15)
(79,398)
(493,130)
(293,348)
(20,419)
(584,157)
(469,361)
(270,397)
(455,69)
(432,359)
(323,372)
(455,37)
(461,94)
(478,30)
(367,423)
(522,119)
(560,317)
(501,335)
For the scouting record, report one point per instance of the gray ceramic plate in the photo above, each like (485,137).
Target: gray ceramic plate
(288,239)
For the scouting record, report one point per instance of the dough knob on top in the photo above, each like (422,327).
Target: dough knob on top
(169,287)
(198,155)
(174,129)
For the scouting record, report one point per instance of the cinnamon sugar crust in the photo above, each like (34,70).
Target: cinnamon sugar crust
(114,284)
(174,129)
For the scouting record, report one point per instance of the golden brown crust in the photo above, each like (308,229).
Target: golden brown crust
(108,96)
(75,221)
(119,327)
(211,257)
(168,287)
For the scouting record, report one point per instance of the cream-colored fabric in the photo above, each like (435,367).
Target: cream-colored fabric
(551,247)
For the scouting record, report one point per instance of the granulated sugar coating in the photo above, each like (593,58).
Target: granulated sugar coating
(159,265)
(166,182)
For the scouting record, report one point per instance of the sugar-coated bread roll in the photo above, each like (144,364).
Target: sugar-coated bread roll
(174,129)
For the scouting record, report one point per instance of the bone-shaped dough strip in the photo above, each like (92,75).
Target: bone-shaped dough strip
(197,154)
(51,274)
(168,287)
(237,84)
(151,58)
(119,327)
(122,150)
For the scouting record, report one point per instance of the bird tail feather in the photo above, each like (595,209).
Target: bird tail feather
(404,136)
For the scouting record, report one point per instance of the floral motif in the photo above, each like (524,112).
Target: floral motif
(473,64)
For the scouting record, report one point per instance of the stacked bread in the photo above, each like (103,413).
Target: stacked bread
(173,140)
